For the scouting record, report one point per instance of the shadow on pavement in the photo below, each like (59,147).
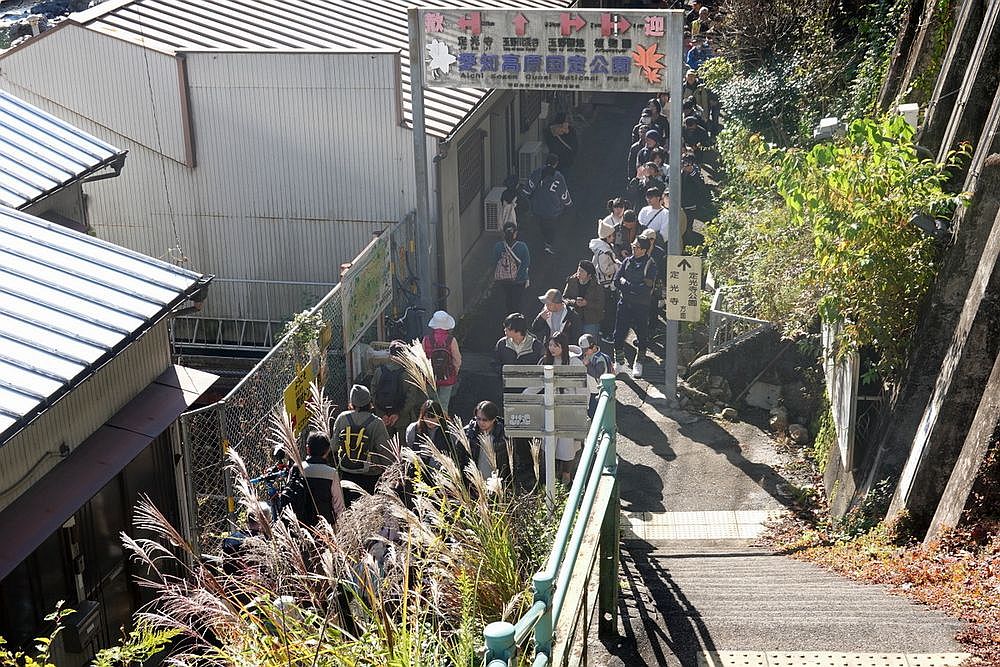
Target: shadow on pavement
(707,432)
(660,615)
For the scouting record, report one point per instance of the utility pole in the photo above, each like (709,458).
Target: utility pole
(426,235)
(675,67)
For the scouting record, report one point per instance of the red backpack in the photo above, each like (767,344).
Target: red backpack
(441,360)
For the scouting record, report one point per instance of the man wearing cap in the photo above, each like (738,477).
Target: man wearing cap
(546,190)
(634,281)
(397,396)
(583,293)
(441,349)
(555,317)
(362,442)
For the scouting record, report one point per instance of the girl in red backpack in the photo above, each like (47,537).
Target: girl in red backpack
(442,351)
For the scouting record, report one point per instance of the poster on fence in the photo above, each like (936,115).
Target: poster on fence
(366,289)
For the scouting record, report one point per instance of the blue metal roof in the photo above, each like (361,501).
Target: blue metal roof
(40,154)
(68,303)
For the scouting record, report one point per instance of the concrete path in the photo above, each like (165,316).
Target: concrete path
(694,495)
(695,591)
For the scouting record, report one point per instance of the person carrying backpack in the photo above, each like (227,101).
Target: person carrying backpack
(511,259)
(314,490)
(442,351)
(396,395)
(362,443)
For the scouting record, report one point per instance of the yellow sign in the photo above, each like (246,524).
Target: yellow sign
(683,288)
(297,396)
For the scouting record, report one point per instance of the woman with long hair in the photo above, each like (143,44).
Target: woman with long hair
(559,352)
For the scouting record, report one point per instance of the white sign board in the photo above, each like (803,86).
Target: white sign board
(561,49)
(683,288)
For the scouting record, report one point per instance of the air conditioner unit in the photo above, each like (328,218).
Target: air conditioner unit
(491,210)
(529,158)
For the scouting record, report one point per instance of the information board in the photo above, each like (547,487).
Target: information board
(366,289)
(562,49)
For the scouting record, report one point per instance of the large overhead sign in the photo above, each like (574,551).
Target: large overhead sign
(544,49)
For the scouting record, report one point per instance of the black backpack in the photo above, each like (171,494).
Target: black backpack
(297,496)
(389,392)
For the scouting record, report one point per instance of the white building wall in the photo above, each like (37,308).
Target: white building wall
(299,156)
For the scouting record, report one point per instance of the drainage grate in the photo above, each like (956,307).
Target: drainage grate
(822,659)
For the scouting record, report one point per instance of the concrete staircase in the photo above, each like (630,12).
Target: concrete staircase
(721,603)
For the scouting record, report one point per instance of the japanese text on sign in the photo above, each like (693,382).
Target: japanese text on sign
(544,49)
(683,288)
(296,396)
(366,289)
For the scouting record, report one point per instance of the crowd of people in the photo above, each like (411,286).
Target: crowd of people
(617,289)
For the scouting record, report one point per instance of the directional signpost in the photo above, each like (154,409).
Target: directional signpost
(683,288)
(548,414)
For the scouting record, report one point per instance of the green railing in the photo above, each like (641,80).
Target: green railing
(589,526)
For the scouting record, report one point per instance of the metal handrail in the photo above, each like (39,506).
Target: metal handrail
(597,461)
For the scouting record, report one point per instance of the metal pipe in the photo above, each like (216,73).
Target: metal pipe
(499,637)
(527,623)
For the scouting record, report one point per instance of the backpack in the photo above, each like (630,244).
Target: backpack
(388,393)
(507,266)
(442,362)
(297,496)
(609,365)
(355,443)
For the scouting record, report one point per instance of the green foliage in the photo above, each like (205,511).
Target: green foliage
(942,26)
(141,644)
(826,437)
(43,645)
(874,266)
(868,514)
(304,329)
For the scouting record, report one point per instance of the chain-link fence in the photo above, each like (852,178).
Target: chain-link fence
(242,419)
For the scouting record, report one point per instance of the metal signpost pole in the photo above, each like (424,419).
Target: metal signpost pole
(426,257)
(675,62)
(549,387)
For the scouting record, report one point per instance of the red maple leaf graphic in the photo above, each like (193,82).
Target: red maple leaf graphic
(650,61)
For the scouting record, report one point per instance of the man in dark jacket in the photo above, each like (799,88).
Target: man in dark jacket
(517,345)
(586,296)
(561,140)
(323,479)
(546,190)
(634,281)
(555,316)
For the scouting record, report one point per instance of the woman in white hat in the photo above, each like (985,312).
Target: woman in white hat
(443,353)
(607,266)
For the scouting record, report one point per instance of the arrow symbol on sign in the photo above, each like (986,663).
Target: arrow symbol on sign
(623,25)
(520,21)
(684,264)
(567,22)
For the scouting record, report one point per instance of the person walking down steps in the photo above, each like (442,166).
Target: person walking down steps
(546,190)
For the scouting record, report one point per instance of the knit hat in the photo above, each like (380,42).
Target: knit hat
(604,229)
(360,396)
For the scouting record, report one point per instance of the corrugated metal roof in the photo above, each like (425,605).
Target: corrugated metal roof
(69,302)
(177,25)
(40,154)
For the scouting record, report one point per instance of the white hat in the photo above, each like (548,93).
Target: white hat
(574,350)
(442,320)
(604,229)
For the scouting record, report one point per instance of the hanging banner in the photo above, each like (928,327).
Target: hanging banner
(544,49)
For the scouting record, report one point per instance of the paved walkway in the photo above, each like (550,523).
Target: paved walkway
(695,493)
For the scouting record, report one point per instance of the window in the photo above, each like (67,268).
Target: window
(470,169)
(531,107)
